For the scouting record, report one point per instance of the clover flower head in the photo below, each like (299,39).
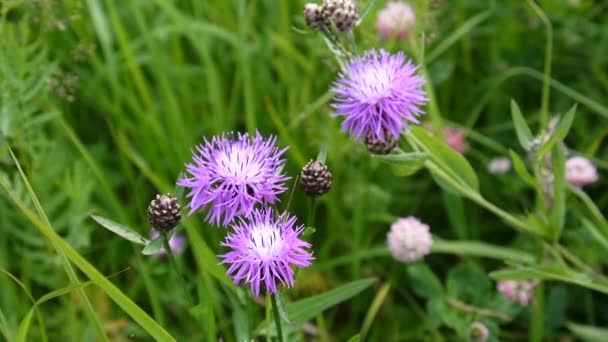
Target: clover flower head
(263,250)
(230,174)
(409,239)
(396,19)
(499,165)
(517,291)
(378,94)
(580,171)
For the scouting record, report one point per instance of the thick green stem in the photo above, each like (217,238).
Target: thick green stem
(277,317)
(176,267)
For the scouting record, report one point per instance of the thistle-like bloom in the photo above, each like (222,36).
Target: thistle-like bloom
(409,239)
(517,291)
(396,19)
(378,95)
(177,243)
(230,175)
(499,165)
(580,171)
(263,250)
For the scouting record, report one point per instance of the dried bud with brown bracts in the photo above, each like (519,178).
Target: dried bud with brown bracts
(343,13)
(315,178)
(379,147)
(164,213)
(313,16)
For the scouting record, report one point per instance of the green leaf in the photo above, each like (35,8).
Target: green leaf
(558,211)
(449,160)
(405,164)
(560,132)
(423,281)
(481,249)
(520,169)
(595,233)
(303,310)
(551,273)
(588,333)
(120,230)
(154,246)
(374,308)
(355,338)
(282,308)
(524,135)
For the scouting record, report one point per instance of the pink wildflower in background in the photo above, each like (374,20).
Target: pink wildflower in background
(177,243)
(378,95)
(499,165)
(230,174)
(409,239)
(580,172)
(397,19)
(517,291)
(455,139)
(263,250)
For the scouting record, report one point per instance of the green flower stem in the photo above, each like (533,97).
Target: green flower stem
(277,317)
(176,267)
(477,198)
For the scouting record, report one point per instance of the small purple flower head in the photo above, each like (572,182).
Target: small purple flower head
(230,175)
(177,243)
(378,95)
(263,250)
(396,19)
(409,239)
(580,171)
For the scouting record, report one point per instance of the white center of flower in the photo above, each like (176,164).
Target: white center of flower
(374,84)
(265,241)
(240,165)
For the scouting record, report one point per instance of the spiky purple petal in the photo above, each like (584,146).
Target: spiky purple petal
(263,251)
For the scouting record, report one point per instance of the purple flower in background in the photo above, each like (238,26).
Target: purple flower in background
(177,243)
(231,174)
(409,239)
(263,250)
(378,95)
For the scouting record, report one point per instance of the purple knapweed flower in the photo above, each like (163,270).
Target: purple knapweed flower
(263,250)
(230,175)
(409,240)
(378,95)
(580,171)
(177,243)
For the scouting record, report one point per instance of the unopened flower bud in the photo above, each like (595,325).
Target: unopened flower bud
(342,13)
(315,178)
(313,16)
(164,213)
(380,147)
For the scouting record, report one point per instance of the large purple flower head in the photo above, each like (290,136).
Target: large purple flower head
(263,249)
(230,175)
(377,95)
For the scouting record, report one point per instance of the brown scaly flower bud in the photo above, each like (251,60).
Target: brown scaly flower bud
(164,213)
(343,13)
(378,147)
(315,178)
(313,16)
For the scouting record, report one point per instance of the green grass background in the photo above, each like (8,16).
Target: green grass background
(155,76)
